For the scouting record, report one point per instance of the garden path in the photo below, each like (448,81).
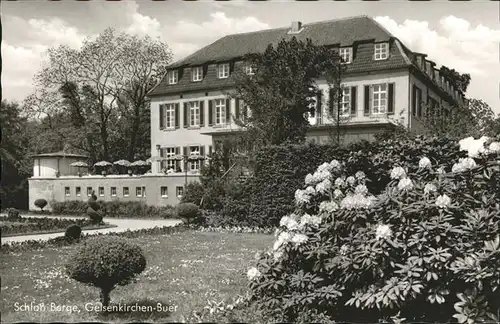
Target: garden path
(122,225)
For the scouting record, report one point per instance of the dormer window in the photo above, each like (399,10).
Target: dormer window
(197,74)
(249,69)
(381,51)
(345,54)
(223,71)
(173,77)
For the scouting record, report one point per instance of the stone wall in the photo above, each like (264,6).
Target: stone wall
(55,188)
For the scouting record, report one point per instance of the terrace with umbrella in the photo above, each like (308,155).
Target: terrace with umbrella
(102,166)
(186,159)
(79,165)
(122,166)
(140,166)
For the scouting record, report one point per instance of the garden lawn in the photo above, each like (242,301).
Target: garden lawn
(184,270)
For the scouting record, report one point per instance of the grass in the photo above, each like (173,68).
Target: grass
(184,271)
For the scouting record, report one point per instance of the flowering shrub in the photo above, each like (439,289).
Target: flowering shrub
(424,248)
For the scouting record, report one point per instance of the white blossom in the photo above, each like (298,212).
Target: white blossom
(309,179)
(344,249)
(339,182)
(299,239)
(405,184)
(351,180)
(324,167)
(277,255)
(472,146)
(253,273)
(494,147)
(283,239)
(310,190)
(335,165)
(308,219)
(398,173)
(337,193)
(360,175)
(319,176)
(324,186)
(284,220)
(292,225)
(383,232)
(424,163)
(464,165)
(361,189)
(430,187)
(443,201)
(301,197)
(328,206)
(441,170)
(357,201)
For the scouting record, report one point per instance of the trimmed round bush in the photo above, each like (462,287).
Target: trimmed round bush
(41,203)
(73,232)
(94,216)
(106,262)
(187,211)
(13,214)
(426,247)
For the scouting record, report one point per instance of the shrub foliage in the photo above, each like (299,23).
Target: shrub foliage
(106,262)
(73,232)
(416,238)
(41,203)
(188,211)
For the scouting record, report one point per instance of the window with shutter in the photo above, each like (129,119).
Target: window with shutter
(177,162)
(319,108)
(210,113)
(194,114)
(414,100)
(354,104)
(220,112)
(345,103)
(419,102)
(366,110)
(162,116)
(177,122)
(202,113)
(228,111)
(390,107)
(237,108)
(379,98)
(186,112)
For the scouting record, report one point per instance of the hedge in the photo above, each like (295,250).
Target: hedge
(114,209)
(279,170)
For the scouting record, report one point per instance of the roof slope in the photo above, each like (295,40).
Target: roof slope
(359,32)
(343,31)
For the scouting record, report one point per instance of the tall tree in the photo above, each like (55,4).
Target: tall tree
(282,91)
(458,80)
(13,154)
(105,81)
(473,118)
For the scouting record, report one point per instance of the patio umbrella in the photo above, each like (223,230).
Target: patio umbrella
(139,163)
(124,163)
(79,164)
(195,157)
(103,164)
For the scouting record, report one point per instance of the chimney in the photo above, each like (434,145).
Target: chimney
(296,27)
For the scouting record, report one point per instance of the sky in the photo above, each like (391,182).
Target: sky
(461,35)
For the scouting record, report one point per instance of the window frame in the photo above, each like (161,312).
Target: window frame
(194,166)
(67,191)
(127,194)
(380,92)
(223,70)
(222,116)
(170,116)
(111,191)
(173,77)
(346,103)
(177,189)
(194,111)
(348,51)
(166,192)
(379,49)
(99,191)
(138,191)
(78,191)
(89,191)
(198,74)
